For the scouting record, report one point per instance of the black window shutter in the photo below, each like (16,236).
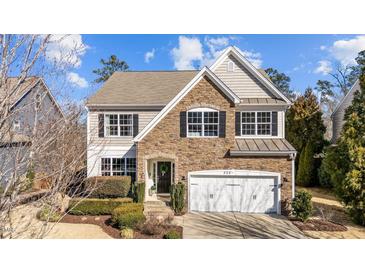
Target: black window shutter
(238,123)
(135,125)
(222,124)
(183,124)
(101,125)
(274,123)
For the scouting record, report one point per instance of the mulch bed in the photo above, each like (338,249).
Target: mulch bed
(104,222)
(318,225)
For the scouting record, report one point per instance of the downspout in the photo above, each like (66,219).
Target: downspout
(293,174)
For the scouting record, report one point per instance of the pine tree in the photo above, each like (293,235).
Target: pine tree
(110,66)
(352,140)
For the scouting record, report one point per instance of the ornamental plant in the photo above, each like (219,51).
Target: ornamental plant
(302,205)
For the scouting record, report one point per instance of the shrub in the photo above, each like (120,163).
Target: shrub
(152,227)
(128,215)
(140,191)
(89,206)
(306,170)
(127,233)
(177,193)
(172,234)
(109,186)
(49,214)
(302,205)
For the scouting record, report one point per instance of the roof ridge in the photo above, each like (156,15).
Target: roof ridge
(188,70)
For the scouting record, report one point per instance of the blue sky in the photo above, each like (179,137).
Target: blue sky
(305,58)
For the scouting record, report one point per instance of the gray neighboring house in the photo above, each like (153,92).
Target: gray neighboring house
(339,112)
(32,98)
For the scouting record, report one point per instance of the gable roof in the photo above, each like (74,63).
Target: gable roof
(258,74)
(141,88)
(354,87)
(23,89)
(204,72)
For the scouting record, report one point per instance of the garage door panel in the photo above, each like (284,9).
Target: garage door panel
(233,193)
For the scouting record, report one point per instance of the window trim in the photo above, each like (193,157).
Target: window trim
(228,64)
(119,125)
(256,135)
(111,165)
(202,110)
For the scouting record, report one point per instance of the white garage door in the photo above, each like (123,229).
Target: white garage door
(251,193)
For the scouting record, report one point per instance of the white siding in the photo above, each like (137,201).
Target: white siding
(111,146)
(241,81)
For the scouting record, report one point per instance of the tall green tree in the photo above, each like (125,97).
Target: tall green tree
(304,124)
(110,66)
(281,81)
(307,175)
(352,190)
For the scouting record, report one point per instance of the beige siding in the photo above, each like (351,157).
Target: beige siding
(338,116)
(241,81)
(144,118)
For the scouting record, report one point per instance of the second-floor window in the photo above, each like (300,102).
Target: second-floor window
(256,123)
(202,123)
(119,124)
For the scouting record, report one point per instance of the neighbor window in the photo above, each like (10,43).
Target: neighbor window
(119,124)
(119,167)
(202,123)
(16,125)
(256,123)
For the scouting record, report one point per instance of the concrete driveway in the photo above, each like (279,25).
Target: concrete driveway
(233,225)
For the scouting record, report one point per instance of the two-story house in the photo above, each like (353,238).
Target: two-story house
(31,106)
(220,131)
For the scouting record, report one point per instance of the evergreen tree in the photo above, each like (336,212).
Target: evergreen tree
(110,66)
(281,81)
(307,170)
(352,141)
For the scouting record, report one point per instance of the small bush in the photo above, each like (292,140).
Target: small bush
(49,214)
(109,186)
(302,205)
(89,206)
(128,215)
(177,193)
(172,234)
(152,227)
(140,192)
(127,233)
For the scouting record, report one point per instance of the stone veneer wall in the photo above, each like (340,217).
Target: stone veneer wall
(193,154)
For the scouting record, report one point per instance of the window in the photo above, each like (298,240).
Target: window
(256,123)
(119,167)
(230,66)
(16,125)
(203,123)
(119,124)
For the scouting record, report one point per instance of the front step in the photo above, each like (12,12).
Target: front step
(158,210)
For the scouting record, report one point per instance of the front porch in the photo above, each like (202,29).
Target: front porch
(160,174)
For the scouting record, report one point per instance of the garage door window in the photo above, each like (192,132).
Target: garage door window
(203,123)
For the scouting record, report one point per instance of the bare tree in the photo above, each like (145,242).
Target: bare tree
(52,149)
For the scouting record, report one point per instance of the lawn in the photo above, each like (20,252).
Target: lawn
(326,206)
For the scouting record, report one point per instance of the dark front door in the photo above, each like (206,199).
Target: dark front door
(164,177)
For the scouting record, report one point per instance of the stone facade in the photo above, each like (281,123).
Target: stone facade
(194,154)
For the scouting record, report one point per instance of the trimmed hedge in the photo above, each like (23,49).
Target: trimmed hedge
(128,215)
(96,206)
(140,191)
(109,186)
(302,205)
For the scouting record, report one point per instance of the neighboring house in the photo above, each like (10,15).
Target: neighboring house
(220,130)
(339,112)
(31,105)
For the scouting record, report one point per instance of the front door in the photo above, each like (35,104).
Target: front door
(163,177)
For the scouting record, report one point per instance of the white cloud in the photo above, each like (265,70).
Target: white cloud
(188,51)
(66,50)
(324,67)
(76,80)
(149,55)
(191,51)
(322,47)
(345,51)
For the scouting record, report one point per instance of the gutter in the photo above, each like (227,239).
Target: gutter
(261,153)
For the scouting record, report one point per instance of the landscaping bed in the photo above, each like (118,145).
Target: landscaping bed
(164,230)
(318,225)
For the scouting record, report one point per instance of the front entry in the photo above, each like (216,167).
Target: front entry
(163,177)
